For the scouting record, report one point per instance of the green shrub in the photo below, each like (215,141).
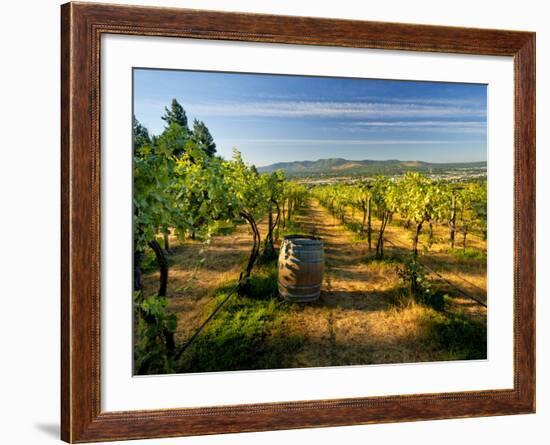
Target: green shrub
(464,338)
(149,262)
(468,254)
(420,287)
(354,227)
(223,228)
(388,259)
(264,287)
(154,335)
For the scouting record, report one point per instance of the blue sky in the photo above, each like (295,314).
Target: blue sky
(276,118)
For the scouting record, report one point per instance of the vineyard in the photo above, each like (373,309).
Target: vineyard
(405,277)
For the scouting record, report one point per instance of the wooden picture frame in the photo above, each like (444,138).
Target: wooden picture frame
(82,26)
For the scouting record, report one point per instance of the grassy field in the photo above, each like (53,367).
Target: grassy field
(364,315)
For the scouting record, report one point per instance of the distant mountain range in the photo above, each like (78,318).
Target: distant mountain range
(339,166)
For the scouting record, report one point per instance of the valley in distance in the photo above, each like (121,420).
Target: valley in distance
(334,170)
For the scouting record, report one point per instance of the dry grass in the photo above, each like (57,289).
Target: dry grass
(362,316)
(466,270)
(197,271)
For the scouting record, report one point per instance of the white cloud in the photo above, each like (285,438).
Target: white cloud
(341,141)
(425,100)
(445,124)
(431,126)
(418,109)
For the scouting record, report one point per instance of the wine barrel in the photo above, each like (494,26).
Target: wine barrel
(301,266)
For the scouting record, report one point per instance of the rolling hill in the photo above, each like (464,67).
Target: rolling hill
(339,166)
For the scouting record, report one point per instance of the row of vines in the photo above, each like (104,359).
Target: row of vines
(182,187)
(419,202)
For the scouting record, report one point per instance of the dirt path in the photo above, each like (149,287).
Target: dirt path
(348,281)
(359,319)
(356,320)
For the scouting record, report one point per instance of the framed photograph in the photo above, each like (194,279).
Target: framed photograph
(274,222)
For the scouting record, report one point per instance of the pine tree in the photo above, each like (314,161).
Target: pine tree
(173,139)
(140,135)
(203,138)
(175,114)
